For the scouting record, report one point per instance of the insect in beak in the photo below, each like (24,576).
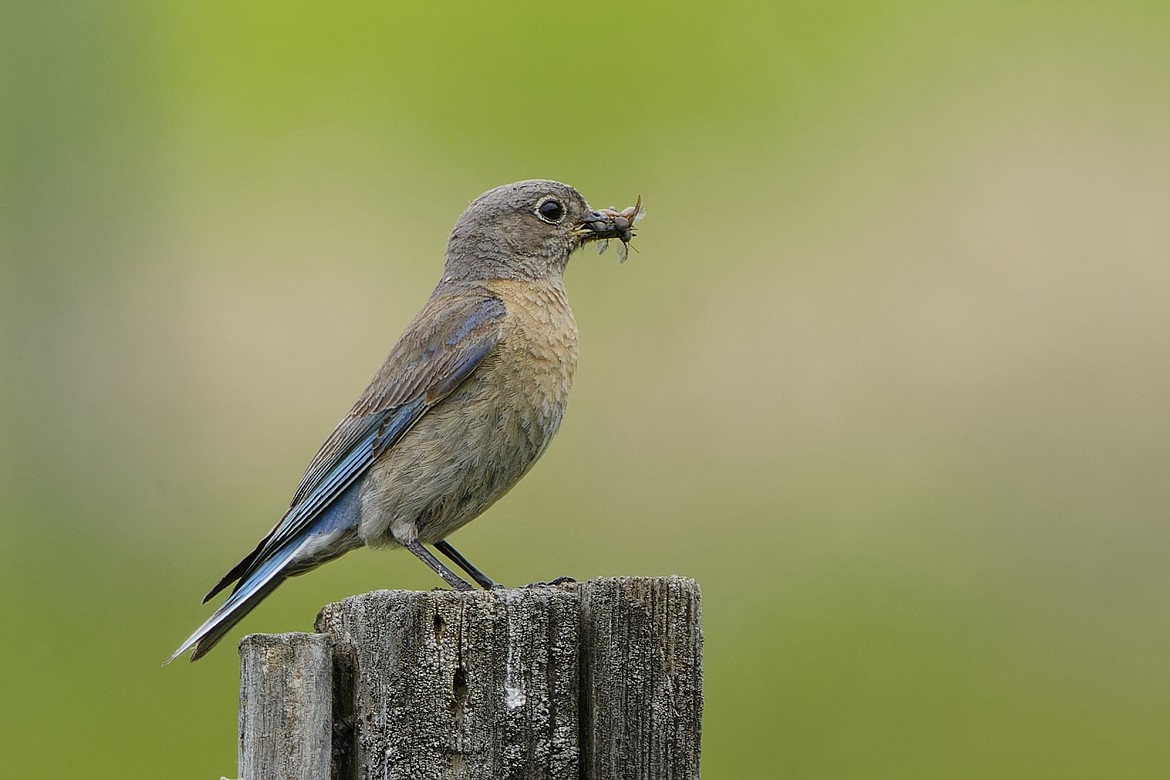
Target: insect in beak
(604,224)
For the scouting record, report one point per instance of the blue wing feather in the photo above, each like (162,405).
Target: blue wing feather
(381,432)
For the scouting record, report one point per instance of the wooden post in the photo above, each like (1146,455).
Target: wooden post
(598,680)
(641,660)
(286,701)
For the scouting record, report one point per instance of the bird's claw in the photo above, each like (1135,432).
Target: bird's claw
(553,583)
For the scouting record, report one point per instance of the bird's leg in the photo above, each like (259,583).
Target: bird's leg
(424,555)
(481,579)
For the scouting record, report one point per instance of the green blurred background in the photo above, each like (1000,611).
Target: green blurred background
(888,375)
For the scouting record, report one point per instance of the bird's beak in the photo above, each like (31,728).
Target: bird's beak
(609,223)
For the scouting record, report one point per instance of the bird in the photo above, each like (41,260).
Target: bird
(465,403)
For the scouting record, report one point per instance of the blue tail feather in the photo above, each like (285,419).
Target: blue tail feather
(332,533)
(247,595)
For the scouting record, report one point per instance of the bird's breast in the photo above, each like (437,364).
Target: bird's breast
(517,397)
(537,356)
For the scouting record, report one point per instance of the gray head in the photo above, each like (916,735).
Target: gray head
(525,230)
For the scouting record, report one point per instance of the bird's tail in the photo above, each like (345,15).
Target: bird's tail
(250,592)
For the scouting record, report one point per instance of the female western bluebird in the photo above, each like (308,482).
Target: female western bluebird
(465,403)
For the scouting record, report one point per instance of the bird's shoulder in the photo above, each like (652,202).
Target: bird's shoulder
(535,309)
(457,324)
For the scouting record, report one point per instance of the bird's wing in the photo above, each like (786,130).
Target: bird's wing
(440,348)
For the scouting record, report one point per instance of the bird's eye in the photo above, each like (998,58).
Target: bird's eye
(550,210)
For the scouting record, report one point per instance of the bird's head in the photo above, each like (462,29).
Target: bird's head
(527,230)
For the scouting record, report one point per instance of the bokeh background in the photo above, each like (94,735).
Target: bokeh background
(889,373)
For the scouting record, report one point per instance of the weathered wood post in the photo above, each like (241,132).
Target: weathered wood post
(286,702)
(598,680)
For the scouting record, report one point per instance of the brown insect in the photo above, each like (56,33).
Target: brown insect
(624,221)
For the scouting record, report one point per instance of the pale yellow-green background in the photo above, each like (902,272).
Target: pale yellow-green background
(889,375)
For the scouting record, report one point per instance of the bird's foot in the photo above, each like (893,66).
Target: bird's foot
(553,583)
